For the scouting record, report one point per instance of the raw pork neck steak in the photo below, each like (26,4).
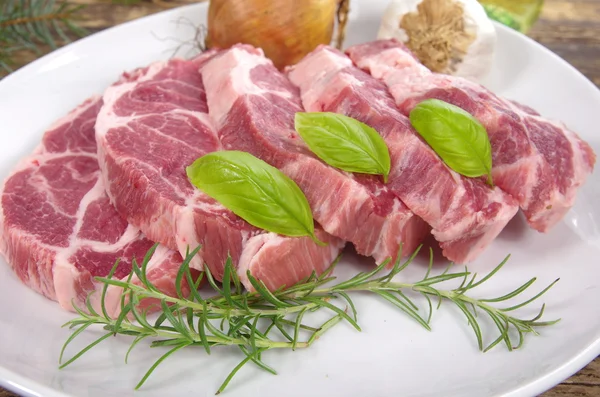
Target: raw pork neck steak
(253,106)
(59,229)
(465,214)
(153,124)
(539,162)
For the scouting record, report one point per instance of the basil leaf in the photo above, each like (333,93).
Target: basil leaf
(344,142)
(456,136)
(255,191)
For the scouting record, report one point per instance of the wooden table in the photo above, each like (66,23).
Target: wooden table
(569,28)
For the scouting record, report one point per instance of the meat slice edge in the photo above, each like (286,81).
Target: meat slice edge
(59,230)
(541,163)
(464,213)
(253,105)
(153,124)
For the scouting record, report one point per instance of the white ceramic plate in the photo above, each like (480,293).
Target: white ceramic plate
(393,355)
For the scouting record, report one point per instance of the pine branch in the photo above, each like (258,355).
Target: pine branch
(34,26)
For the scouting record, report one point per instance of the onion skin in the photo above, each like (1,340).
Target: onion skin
(286,30)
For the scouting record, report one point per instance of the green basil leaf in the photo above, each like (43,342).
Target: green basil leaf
(344,143)
(456,136)
(255,191)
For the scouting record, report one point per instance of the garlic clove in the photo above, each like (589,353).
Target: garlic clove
(448,36)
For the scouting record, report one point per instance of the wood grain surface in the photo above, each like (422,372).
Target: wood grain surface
(570,28)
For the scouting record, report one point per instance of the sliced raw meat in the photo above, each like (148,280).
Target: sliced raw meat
(253,106)
(153,124)
(465,214)
(539,162)
(59,229)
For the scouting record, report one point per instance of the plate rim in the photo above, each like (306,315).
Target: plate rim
(27,387)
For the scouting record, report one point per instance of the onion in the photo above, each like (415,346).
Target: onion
(286,30)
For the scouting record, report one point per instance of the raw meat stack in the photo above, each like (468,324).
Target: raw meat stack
(109,179)
(59,229)
(538,162)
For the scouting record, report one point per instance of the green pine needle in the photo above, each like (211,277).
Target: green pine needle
(31,25)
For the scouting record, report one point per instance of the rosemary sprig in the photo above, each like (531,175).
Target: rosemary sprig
(259,321)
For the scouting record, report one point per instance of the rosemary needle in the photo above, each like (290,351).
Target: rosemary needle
(260,321)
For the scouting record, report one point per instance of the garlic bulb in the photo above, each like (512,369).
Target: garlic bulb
(286,30)
(448,36)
